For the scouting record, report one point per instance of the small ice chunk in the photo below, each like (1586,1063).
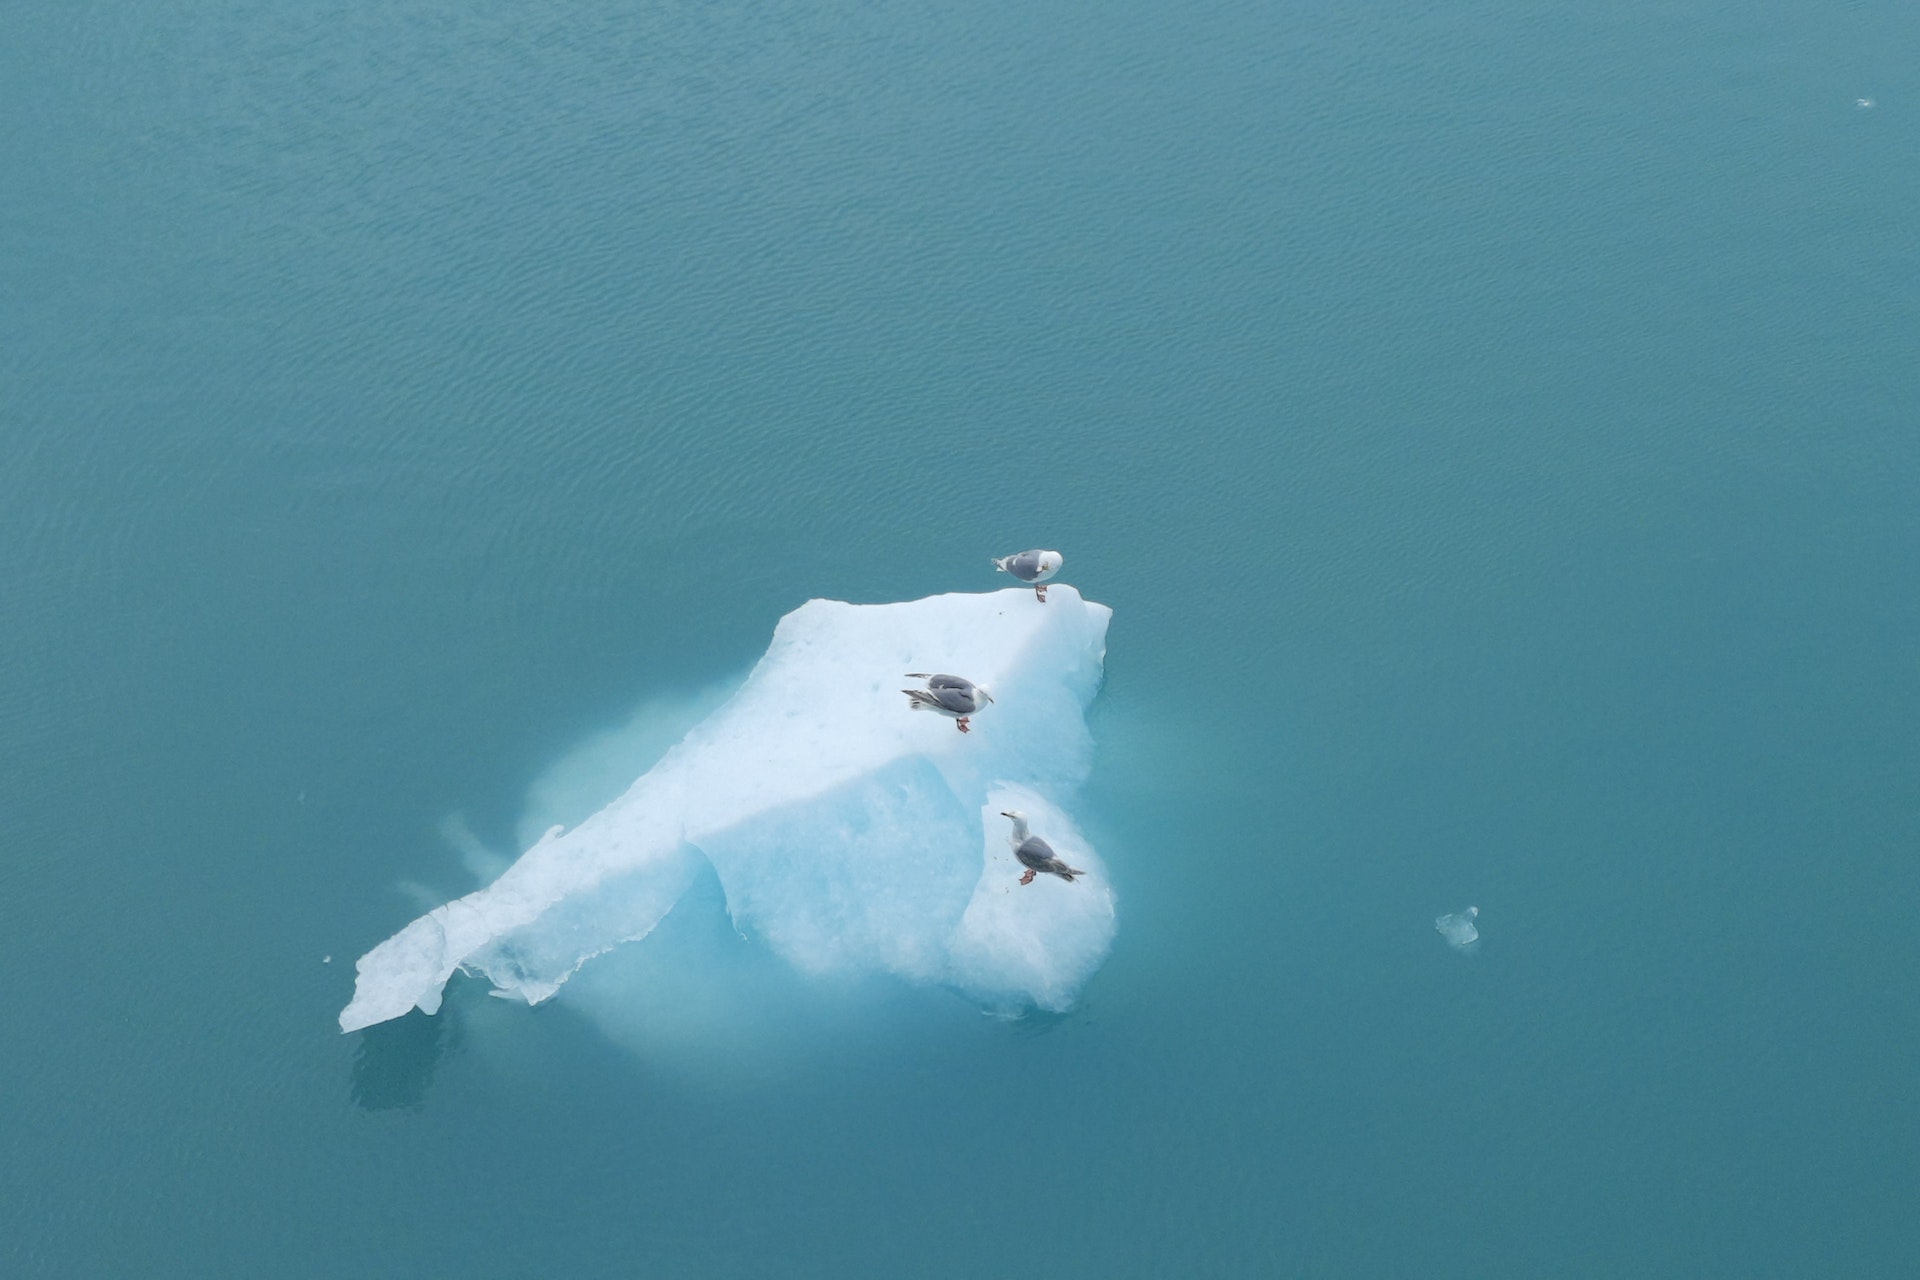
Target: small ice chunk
(1458,929)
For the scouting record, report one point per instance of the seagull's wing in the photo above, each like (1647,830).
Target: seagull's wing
(955,702)
(1035,852)
(937,681)
(961,697)
(1025,566)
(1038,854)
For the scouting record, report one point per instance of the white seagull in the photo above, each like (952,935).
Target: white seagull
(1033,567)
(1035,854)
(949,695)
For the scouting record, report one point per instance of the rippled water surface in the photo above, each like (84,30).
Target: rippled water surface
(1492,424)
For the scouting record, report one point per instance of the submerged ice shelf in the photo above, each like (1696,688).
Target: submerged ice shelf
(849,835)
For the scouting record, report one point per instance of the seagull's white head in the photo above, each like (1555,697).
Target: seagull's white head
(984,692)
(1050,562)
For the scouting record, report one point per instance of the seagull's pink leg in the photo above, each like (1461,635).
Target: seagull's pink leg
(1027,878)
(962,723)
(1041,591)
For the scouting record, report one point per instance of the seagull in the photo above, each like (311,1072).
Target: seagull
(1035,854)
(1034,567)
(949,695)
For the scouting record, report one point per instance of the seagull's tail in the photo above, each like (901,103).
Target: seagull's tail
(1066,872)
(1000,563)
(920,699)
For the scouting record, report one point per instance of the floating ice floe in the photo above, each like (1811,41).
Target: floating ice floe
(1458,929)
(848,835)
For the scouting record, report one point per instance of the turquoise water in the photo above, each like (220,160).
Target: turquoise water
(1492,426)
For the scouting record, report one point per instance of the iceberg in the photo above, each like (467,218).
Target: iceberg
(848,835)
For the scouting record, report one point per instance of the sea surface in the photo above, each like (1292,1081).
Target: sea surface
(1493,424)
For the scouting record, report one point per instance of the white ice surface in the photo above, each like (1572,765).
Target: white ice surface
(849,835)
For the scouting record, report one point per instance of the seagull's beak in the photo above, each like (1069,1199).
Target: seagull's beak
(1005,814)
(989,696)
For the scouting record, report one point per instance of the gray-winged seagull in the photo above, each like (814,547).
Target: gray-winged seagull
(1035,854)
(1033,567)
(949,695)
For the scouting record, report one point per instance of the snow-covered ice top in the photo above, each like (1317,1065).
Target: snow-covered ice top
(848,834)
